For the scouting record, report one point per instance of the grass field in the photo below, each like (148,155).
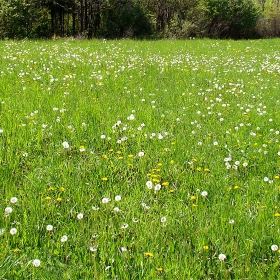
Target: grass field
(140,159)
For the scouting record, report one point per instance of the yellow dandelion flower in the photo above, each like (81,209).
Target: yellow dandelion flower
(172,161)
(263,207)
(236,187)
(130,156)
(205,247)
(165,184)
(62,189)
(172,191)
(159,269)
(104,179)
(198,169)
(229,189)
(48,198)
(155,180)
(59,199)
(16,250)
(159,164)
(119,152)
(120,157)
(148,254)
(111,150)
(51,188)
(206,170)
(277,214)
(104,156)
(194,205)
(276,177)
(192,197)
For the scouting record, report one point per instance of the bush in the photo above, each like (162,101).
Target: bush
(231,18)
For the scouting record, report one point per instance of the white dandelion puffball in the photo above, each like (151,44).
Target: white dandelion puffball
(204,193)
(36,262)
(49,227)
(274,247)
(149,184)
(13,231)
(65,145)
(80,216)
(8,210)
(13,200)
(105,200)
(64,238)
(222,257)
(118,198)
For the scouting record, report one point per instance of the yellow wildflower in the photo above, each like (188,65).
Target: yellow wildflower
(148,254)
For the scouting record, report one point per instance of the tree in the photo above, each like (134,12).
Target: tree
(22,18)
(231,18)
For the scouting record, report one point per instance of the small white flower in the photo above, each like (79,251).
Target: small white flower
(13,200)
(124,226)
(123,249)
(157,187)
(1,130)
(204,193)
(163,219)
(141,154)
(103,136)
(8,210)
(131,117)
(95,208)
(149,184)
(116,209)
(92,249)
(118,198)
(222,257)
(274,247)
(105,200)
(13,231)
(25,154)
(64,238)
(65,145)
(231,221)
(36,262)
(49,227)
(80,216)
(266,179)
(2,231)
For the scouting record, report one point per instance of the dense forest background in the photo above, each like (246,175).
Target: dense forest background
(151,19)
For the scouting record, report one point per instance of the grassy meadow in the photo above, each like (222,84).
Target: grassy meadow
(139,159)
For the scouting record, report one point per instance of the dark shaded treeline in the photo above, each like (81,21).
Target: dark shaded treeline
(139,18)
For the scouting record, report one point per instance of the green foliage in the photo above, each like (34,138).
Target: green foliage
(124,19)
(231,18)
(22,19)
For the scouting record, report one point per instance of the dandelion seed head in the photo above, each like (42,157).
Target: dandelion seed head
(222,257)
(64,238)
(13,200)
(36,262)
(49,227)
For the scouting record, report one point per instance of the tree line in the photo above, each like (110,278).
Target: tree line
(139,18)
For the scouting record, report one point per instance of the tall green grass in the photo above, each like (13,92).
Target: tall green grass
(139,160)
